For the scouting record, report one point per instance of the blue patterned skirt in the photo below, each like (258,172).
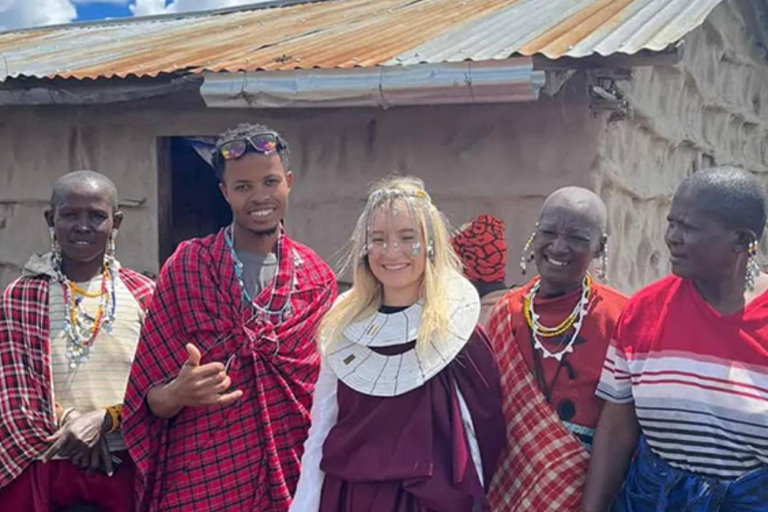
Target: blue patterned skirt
(652,485)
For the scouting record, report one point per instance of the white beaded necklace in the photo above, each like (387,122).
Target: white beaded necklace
(580,311)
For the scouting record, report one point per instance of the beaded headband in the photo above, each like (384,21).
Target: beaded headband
(415,200)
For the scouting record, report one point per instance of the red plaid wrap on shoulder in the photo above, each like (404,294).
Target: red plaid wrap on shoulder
(246,456)
(27,414)
(543,466)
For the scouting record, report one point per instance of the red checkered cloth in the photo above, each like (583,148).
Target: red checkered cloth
(244,457)
(27,414)
(543,467)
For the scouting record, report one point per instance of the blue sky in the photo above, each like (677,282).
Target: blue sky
(16,14)
(100,11)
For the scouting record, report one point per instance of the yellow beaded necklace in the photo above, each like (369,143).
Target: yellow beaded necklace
(574,320)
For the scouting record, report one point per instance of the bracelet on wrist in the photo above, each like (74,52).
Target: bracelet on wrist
(115,414)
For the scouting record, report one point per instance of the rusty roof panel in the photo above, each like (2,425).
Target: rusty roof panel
(348,33)
(566,28)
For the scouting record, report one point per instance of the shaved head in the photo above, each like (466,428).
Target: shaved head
(733,196)
(83,218)
(569,235)
(580,201)
(79,180)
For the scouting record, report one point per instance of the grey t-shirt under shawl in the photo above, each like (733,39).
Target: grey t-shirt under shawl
(258,270)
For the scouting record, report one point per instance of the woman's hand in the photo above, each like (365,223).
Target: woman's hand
(77,438)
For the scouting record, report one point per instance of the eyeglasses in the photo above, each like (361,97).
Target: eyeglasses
(409,246)
(263,143)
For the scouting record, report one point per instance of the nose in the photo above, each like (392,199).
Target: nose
(559,245)
(672,235)
(82,224)
(391,248)
(260,193)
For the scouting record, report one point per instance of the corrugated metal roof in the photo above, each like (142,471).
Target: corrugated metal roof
(350,33)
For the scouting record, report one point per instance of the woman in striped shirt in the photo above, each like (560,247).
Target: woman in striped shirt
(686,375)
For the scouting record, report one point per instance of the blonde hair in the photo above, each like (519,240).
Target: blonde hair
(442,264)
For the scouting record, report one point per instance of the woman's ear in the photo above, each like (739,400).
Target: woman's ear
(602,246)
(49,217)
(744,237)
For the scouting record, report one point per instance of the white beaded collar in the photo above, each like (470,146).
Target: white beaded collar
(384,330)
(366,371)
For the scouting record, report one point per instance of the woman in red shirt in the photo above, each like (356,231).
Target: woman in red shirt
(550,337)
(687,371)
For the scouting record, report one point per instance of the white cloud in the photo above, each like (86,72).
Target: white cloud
(149,7)
(113,2)
(32,13)
(25,13)
(200,5)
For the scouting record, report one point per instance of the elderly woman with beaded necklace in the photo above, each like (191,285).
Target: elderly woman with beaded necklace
(550,337)
(686,376)
(407,409)
(68,331)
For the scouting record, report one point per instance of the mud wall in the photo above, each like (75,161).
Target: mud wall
(499,159)
(710,109)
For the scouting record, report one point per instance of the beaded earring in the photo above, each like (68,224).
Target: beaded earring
(528,257)
(753,265)
(109,255)
(361,258)
(602,267)
(55,249)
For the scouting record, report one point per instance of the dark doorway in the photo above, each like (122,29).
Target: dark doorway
(190,203)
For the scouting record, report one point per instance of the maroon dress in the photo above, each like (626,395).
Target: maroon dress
(410,453)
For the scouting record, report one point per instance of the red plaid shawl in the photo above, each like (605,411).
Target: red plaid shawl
(26,412)
(244,457)
(544,469)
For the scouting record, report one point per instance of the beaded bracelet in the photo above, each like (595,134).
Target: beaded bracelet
(115,413)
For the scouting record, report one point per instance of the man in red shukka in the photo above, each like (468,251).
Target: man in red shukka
(217,407)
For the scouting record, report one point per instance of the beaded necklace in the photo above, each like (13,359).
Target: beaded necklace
(238,266)
(575,320)
(80,328)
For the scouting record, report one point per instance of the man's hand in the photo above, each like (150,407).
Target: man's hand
(76,438)
(195,386)
(101,459)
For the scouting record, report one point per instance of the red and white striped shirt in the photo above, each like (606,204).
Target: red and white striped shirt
(698,379)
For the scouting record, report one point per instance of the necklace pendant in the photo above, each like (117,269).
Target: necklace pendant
(541,348)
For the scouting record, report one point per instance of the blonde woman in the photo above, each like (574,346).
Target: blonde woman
(407,409)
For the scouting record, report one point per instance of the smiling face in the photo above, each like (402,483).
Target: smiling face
(567,240)
(256,187)
(396,254)
(83,219)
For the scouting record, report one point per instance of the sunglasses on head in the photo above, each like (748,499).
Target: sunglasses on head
(262,143)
